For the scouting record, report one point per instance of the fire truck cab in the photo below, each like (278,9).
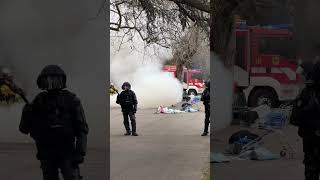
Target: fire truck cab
(265,64)
(193,82)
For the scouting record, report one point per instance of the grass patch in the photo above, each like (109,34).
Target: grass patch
(207,177)
(206,174)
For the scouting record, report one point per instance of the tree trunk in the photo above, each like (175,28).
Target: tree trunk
(179,72)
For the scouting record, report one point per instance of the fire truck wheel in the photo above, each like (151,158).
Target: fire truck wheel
(261,96)
(192,92)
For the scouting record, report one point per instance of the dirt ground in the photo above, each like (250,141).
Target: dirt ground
(18,162)
(169,147)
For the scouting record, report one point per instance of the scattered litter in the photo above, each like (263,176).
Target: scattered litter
(186,105)
(260,154)
(275,120)
(238,141)
(242,137)
(166,110)
(189,105)
(196,99)
(191,110)
(262,110)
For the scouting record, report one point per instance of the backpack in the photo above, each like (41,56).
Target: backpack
(54,120)
(306,109)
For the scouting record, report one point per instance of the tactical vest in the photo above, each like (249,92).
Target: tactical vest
(54,117)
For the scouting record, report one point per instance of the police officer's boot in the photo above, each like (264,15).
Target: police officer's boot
(206,127)
(133,124)
(128,133)
(126,125)
(204,134)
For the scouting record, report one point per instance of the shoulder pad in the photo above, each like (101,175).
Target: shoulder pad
(41,95)
(68,94)
(39,98)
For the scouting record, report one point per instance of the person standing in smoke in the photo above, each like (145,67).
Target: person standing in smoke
(206,101)
(56,121)
(128,101)
(306,115)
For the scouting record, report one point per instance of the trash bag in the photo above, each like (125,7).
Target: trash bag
(275,120)
(196,99)
(184,106)
(262,110)
(243,137)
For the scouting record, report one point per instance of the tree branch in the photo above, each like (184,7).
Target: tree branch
(195,4)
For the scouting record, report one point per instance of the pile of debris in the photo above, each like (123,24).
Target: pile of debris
(189,105)
(246,145)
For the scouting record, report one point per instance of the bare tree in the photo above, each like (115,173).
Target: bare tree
(201,59)
(184,50)
(158,22)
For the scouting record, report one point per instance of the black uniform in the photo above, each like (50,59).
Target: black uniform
(128,101)
(55,120)
(206,101)
(306,115)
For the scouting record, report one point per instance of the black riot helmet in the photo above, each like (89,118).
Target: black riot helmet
(52,77)
(126,84)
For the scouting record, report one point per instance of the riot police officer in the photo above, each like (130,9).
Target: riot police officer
(56,121)
(306,115)
(206,101)
(128,101)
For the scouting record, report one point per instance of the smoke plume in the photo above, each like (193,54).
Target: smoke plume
(152,86)
(36,33)
(222,94)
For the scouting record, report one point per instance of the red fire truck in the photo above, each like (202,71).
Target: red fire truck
(193,82)
(266,63)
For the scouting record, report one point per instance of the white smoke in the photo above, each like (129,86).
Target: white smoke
(222,93)
(38,33)
(152,86)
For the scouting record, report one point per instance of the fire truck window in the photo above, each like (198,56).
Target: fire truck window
(197,76)
(240,52)
(277,46)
